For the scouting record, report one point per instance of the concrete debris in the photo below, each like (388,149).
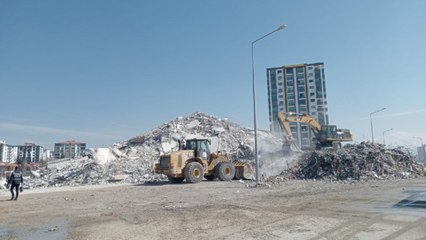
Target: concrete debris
(35,174)
(3,183)
(364,161)
(133,161)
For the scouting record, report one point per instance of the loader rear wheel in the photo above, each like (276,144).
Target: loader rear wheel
(225,171)
(194,172)
(175,179)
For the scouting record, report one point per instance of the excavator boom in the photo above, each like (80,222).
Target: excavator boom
(326,135)
(285,125)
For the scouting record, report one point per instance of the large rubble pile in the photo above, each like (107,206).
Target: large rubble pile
(133,161)
(362,161)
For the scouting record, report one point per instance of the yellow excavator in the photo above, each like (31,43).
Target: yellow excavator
(325,135)
(193,162)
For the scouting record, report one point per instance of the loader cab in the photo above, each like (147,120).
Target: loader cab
(199,146)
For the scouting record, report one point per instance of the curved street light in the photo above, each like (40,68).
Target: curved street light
(371,123)
(254,97)
(384,143)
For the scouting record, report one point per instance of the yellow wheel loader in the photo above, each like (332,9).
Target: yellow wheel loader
(193,162)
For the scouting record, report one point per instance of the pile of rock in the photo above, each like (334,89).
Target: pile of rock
(224,135)
(133,161)
(357,162)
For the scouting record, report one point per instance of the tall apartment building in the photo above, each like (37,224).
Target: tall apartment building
(68,149)
(30,153)
(297,88)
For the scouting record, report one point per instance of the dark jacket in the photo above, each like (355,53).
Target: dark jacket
(16,178)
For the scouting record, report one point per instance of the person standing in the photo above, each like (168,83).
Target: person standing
(15,180)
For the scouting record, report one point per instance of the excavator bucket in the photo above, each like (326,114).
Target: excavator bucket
(243,171)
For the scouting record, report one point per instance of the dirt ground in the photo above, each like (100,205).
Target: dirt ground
(220,210)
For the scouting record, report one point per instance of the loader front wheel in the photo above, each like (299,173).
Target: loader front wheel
(175,179)
(194,172)
(225,171)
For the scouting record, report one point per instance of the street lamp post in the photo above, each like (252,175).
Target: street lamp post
(254,98)
(371,123)
(384,142)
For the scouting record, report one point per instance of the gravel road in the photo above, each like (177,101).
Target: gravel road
(294,209)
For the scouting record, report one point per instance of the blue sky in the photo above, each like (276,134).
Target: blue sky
(104,71)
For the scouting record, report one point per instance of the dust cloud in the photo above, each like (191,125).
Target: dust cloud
(274,159)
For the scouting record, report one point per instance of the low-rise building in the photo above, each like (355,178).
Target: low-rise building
(8,153)
(30,153)
(68,149)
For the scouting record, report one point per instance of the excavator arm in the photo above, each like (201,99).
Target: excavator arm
(326,135)
(285,126)
(303,118)
(286,118)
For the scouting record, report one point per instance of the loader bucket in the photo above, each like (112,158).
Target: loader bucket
(243,171)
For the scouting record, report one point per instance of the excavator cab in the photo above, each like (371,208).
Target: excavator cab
(328,131)
(332,133)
